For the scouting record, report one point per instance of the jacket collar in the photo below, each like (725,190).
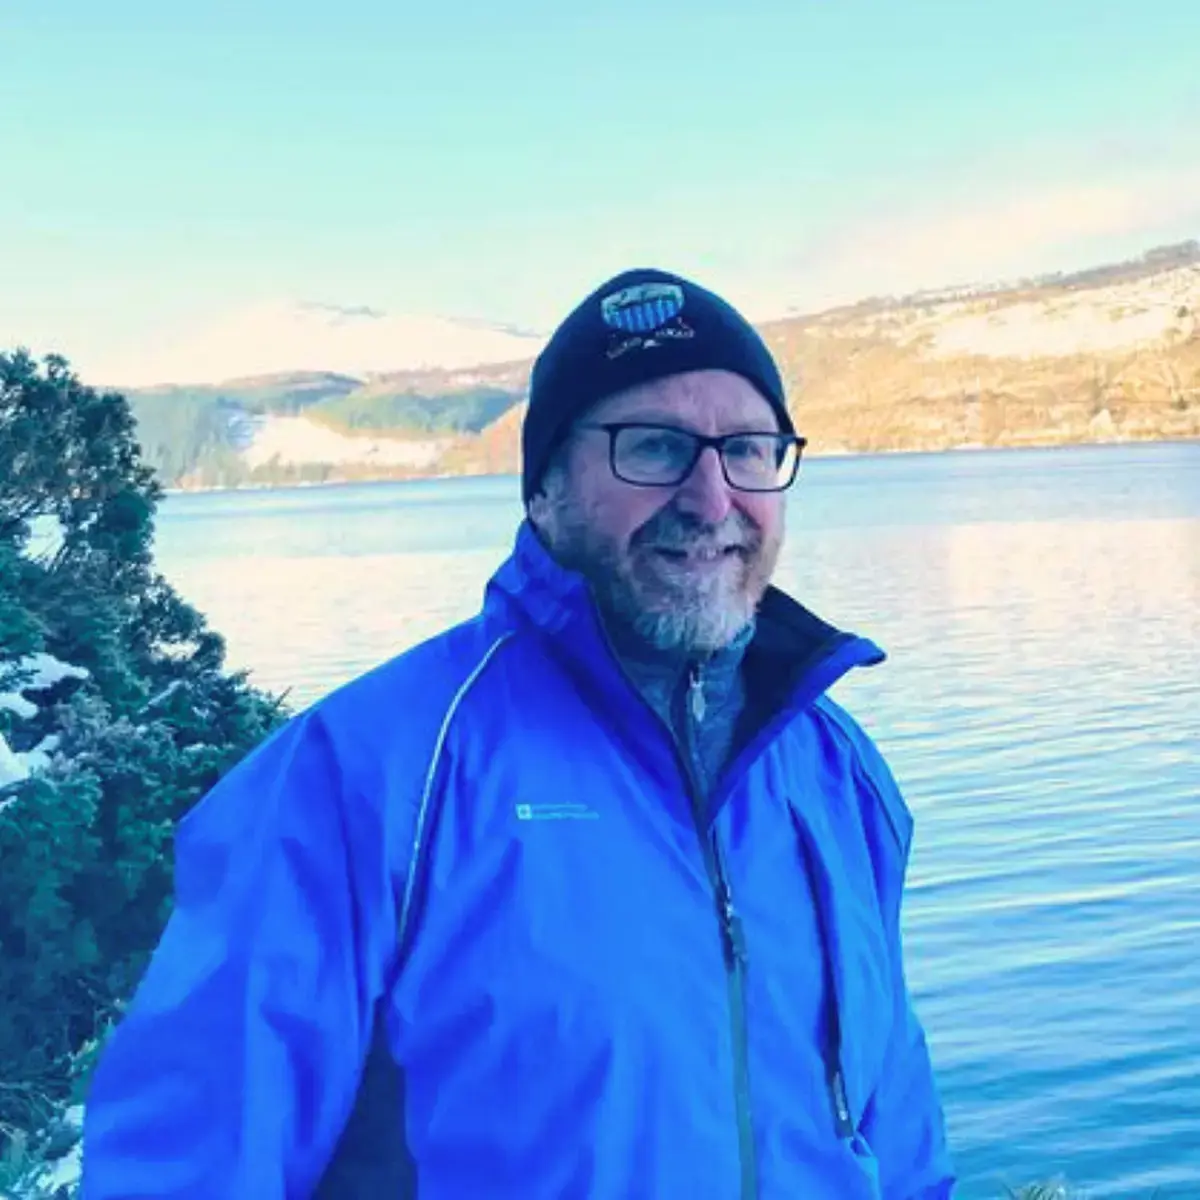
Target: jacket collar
(792,657)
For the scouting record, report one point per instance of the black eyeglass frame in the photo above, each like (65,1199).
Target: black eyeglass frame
(702,442)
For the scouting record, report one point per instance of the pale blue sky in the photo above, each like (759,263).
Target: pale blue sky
(164,164)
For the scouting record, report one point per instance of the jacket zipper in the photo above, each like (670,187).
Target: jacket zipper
(733,942)
(733,939)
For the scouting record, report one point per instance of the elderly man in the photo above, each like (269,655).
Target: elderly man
(596,895)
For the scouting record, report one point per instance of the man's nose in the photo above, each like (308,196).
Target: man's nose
(704,494)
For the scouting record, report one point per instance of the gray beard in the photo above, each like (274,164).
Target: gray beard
(672,617)
(693,620)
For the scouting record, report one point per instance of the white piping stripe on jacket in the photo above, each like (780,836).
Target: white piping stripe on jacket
(430,775)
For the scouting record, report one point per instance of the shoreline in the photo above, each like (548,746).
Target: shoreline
(829,455)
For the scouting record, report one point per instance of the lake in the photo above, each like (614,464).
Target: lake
(1040,706)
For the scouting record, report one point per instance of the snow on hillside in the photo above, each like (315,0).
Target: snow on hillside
(287,337)
(297,440)
(1093,321)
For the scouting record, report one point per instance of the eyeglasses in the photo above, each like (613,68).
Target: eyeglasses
(664,455)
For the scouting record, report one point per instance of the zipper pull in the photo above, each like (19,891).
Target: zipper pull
(696,693)
(734,936)
(843,1121)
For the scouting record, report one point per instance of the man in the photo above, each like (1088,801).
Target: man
(594,896)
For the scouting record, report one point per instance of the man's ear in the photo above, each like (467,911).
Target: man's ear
(537,508)
(541,503)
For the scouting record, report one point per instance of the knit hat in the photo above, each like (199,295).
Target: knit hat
(642,324)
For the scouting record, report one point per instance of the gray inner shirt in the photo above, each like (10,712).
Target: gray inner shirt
(665,681)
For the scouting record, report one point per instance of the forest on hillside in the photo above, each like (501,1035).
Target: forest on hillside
(193,436)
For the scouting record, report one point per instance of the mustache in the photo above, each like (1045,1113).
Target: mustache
(670,530)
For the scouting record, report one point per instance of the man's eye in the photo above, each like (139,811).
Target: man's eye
(659,445)
(749,449)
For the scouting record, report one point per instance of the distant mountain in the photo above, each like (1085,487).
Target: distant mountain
(1112,353)
(1153,262)
(314,337)
(197,434)
(429,401)
(314,426)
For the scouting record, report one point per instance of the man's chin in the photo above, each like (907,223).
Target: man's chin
(688,620)
(688,633)
(675,609)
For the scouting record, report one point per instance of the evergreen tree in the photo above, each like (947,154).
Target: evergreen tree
(114,702)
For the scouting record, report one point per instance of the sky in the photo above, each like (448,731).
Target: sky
(165,166)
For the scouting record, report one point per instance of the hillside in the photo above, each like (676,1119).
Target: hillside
(1107,354)
(1110,354)
(317,426)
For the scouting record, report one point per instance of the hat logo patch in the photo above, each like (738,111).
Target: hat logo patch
(644,316)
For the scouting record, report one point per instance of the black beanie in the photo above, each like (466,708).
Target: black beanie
(641,325)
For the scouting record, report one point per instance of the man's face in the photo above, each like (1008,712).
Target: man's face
(683,566)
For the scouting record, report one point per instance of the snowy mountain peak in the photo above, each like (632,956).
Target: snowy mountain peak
(290,336)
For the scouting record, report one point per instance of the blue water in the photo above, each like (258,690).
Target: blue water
(1041,707)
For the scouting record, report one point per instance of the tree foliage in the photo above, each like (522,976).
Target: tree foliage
(411,411)
(124,750)
(193,436)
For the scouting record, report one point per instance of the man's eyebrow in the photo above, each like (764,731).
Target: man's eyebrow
(745,425)
(646,418)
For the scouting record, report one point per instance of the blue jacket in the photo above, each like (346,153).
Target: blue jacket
(463,931)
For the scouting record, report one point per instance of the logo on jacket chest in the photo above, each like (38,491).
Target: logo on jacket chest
(557,811)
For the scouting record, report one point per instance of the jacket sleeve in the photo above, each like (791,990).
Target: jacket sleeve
(236,1065)
(903,1121)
